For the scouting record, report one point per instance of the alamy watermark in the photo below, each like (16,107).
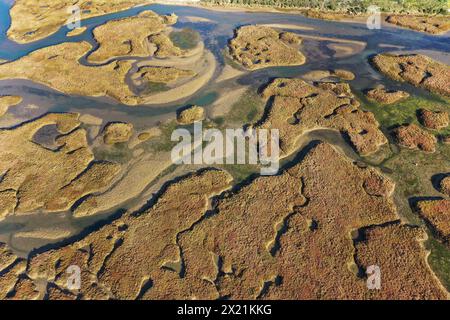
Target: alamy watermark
(74,277)
(374,19)
(74,20)
(373,277)
(233,146)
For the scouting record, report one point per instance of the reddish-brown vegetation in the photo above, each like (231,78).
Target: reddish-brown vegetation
(417,69)
(437,214)
(412,136)
(434,119)
(445,186)
(386,97)
(297,107)
(430,24)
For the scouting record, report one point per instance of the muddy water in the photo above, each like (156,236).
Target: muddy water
(39,99)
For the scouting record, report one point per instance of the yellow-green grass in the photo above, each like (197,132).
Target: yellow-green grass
(406,111)
(439,261)
(185,39)
(164,142)
(246,110)
(119,153)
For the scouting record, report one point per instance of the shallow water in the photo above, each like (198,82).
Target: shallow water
(39,99)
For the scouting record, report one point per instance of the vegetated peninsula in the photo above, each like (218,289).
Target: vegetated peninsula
(48,177)
(8,101)
(128,37)
(417,69)
(34,20)
(59,68)
(76,32)
(146,35)
(295,107)
(430,24)
(437,214)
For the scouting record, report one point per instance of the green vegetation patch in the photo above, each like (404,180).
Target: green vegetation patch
(185,39)
(247,110)
(406,111)
(413,170)
(439,261)
(119,153)
(154,87)
(240,172)
(164,142)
